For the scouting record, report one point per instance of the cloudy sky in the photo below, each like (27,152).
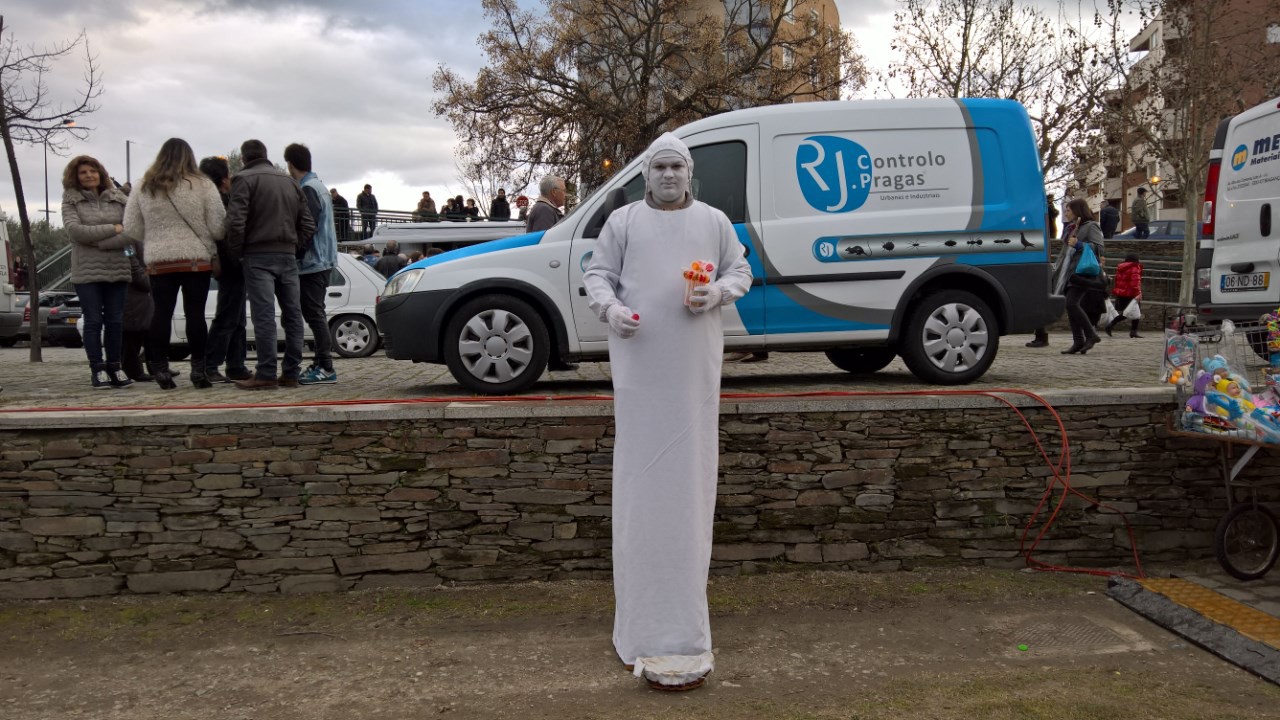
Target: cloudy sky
(352,80)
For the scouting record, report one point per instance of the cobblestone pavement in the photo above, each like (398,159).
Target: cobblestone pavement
(62,380)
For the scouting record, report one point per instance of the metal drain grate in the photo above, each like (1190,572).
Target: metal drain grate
(1079,633)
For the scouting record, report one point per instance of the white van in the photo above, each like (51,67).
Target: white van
(1238,278)
(873,229)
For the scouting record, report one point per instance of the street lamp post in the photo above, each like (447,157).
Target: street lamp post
(64,124)
(128,168)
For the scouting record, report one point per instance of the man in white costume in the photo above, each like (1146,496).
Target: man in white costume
(665,360)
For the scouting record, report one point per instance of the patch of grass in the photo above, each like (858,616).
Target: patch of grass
(139,618)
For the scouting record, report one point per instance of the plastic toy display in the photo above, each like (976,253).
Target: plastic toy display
(1213,370)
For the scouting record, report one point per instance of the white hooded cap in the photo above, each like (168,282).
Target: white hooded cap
(667,144)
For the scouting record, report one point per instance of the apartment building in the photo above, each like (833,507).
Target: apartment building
(1118,161)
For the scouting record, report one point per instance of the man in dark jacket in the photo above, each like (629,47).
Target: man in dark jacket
(227,331)
(367,204)
(267,220)
(1109,219)
(390,262)
(341,220)
(546,210)
(499,209)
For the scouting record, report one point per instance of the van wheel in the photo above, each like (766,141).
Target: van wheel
(496,345)
(950,338)
(354,336)
(862,360)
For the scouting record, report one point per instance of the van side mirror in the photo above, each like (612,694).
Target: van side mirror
(616,199)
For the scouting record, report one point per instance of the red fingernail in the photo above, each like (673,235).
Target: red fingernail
(636,316)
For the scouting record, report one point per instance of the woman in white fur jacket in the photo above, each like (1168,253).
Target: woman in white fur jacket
(178,217)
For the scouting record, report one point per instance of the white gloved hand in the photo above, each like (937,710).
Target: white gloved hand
(622,320)
(704,298)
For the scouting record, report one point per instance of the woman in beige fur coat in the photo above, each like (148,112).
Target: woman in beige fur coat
(177,215)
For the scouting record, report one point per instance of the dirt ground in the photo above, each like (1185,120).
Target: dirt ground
(930,644)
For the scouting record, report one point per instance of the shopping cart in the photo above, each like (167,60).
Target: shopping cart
(1227,393)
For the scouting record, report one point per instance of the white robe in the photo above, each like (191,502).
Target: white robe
(666,381)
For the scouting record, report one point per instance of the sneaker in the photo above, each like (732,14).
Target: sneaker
(1038,343)
(100,380)
(288,382)
(256,383)
(318,376)
(241,374)
(214,376)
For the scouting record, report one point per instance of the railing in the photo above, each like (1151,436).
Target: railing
(354,226)
(54,273)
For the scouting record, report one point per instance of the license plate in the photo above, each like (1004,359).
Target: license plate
(1246,282)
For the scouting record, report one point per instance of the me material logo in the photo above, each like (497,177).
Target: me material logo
(835,173)
(1239,157)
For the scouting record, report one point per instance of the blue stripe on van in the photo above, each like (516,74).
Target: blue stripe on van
(1013,181)
(509,243)
(751,306)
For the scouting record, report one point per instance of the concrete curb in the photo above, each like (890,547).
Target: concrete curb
(477,408)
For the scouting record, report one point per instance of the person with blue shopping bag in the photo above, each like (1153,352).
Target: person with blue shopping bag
(1081,273)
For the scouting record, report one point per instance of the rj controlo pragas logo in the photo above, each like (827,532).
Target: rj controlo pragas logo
(837,175)
(1239,157)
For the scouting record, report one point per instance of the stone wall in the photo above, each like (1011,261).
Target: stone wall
(319,500)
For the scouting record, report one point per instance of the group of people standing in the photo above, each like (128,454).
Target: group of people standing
(457,210)
(267,236)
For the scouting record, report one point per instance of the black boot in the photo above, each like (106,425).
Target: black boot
(1111,325)
(115,378)
(198,378)
(164,378)
(1133,329)
(1040,340)
(132,367)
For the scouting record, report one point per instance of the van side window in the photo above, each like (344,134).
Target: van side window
(720,178)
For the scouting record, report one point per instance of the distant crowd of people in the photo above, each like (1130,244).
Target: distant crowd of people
(265,234)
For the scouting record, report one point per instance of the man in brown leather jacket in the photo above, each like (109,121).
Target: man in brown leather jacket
(268,223)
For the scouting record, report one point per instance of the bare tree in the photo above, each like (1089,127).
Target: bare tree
(29,115)
(583,82)
(1199,62)
(481,171)
(1003,49)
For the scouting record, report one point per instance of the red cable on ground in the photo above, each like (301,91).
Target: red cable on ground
(1061,469)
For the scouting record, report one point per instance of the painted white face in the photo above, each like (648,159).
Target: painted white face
(668,179)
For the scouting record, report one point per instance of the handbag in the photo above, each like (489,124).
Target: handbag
(214,262)
(1088,264)
(1133,311)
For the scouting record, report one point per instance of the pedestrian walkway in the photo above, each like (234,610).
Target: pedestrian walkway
(62,380)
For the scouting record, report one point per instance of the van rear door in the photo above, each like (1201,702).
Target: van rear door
(1246,254)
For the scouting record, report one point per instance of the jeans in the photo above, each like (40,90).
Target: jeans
(194,287)
(270,278)
(103,305)
(226,334)
(313,289)
(367,222)
(1141,231)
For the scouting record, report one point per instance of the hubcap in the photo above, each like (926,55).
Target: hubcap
(352,336)
(495,346)
(955,338)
